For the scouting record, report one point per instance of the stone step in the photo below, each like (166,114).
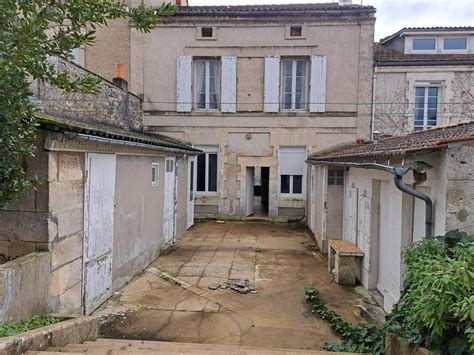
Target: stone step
(123,346)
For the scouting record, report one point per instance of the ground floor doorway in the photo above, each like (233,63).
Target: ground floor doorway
(257,192)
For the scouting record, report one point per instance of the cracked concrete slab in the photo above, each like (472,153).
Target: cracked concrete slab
(172,301)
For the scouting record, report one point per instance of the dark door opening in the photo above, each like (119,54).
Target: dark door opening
(261,191)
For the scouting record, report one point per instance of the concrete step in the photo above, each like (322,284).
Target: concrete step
(122,346)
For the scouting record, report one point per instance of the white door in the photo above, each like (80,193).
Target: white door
(99,229)
(249,193)
(191,189)
(168,207)
(363,229)
(351,216)
(312,215)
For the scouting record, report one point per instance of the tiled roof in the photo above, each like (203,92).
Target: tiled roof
(103,131)
(427,29)
(431,139)
(385,56)
(273,10)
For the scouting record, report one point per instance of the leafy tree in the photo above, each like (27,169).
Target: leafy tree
(31,31)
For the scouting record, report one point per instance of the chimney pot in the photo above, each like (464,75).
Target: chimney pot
(120,71)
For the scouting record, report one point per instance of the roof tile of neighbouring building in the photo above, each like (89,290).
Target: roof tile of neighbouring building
(428,140)
(427,29)
(273,10)
(387,56)
(108,132)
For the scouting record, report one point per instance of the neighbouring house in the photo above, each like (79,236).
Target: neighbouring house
(110,197)
(257,88)
(424,77)
(375,215)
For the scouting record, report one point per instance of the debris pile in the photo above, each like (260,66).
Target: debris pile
(240,286)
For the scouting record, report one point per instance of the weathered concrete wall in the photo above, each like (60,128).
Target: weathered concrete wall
(66,230)
(24,286)
(24,224)
(460,188)
(182,197)
(138,216)
(107,107)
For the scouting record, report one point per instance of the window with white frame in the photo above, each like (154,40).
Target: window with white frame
(455,44)
(155,170)
(294,85)
(424,44)
(292,163)
(207,169)
(207,84)
(426,107)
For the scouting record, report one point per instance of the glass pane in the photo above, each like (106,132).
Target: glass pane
(213,101)
(285,184)
(287,66)
(297,184)
(432,113)
(287,84)
(331,180)
(455,43)
(287,101)
(212,172)
(418,128)
(433,92)
(424,44)
(201,172)
(153,174)
(419,113)
(300,101)
(419,101)
(301,68)
(420,91)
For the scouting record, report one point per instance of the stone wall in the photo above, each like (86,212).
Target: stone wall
(24,224)
(460,188)
(24,286)
(66,231)
(111,106)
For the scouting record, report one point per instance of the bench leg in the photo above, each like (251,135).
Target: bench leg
(345,270)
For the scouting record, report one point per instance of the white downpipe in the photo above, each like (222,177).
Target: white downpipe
(372,119)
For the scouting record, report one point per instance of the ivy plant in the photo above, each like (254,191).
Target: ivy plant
(436,308)
(30,32)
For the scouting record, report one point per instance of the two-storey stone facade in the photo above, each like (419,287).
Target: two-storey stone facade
(258,88)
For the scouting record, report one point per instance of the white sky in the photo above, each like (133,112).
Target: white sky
(392,15)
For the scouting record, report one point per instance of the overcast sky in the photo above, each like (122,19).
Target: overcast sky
(392,15)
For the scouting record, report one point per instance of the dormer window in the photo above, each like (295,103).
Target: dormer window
(424,44)
(457,43)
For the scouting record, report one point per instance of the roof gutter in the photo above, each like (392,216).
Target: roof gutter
(398,180)
(109,141)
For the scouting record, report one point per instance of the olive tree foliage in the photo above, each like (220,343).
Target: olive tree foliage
(31,31)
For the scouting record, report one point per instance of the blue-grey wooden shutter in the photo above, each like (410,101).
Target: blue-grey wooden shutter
(318,84)
(271,84)
(183,84)
(229,84)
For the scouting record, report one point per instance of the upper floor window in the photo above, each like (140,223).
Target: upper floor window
(458,43)
(426,107)
(294,84)
(207,84)
(292,162)
(424,44)
(296,31)
(206,32)
(207,169)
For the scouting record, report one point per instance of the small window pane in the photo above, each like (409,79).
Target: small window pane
(455,43)
(201,172)
(423,44)
(206,32)
(285,184)
(295,31)
(335,177)
(212,172)
(297,184)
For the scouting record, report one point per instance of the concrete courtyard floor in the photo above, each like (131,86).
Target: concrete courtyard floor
(171,300)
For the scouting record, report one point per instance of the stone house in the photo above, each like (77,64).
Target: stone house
(257,88)
(424,77)
(110,197)
(377,216)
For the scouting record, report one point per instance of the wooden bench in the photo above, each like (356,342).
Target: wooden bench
(344,260)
